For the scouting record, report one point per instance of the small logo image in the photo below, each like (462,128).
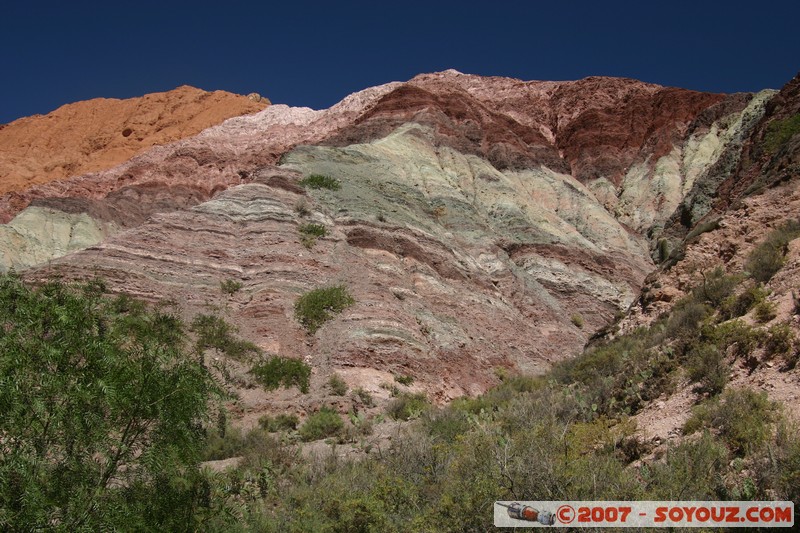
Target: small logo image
(527,513)
(565,514)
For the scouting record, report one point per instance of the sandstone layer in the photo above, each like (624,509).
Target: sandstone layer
(101,133)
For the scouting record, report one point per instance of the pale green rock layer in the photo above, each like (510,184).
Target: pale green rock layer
(38,235)
(478,212)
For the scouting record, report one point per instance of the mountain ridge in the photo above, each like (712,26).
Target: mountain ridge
(543,217)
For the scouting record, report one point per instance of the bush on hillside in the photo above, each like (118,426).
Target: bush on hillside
(317,181)
(768,257)
(316,307)
(320,425)
(282,371)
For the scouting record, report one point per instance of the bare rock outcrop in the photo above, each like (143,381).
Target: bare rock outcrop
(98,134)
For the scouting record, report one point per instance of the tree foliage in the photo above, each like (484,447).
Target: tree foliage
(101,413)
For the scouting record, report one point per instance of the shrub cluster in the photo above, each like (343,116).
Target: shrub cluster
(408,406)
(780,131)
(281,422)
(337,385)
(316,307)
(230,286)
(282,371)
(317,181)
(320,425)
(768,257)
(213,331)
(309,233)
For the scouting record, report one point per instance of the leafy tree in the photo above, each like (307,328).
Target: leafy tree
(102,412)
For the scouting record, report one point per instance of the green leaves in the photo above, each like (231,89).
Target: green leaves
(316,307)
(282,371)
(99,401)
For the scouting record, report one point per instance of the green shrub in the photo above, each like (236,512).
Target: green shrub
(706,366)
(736,306)
(230,286)
(317,181)
(364,396)
(282,371)
(577,320)
(780,131)
(213,332)
(768,257)
(715,288)
(102,413)
(223,445)
(779,341)
(686,318)
(408,406)
(316,307)
(320,425)
(337,385)
(744,338)
(742,417)
(281,422)
(309,233)
(693,468)
(404,380)
(765,311)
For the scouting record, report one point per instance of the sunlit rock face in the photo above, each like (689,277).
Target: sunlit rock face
(481,223)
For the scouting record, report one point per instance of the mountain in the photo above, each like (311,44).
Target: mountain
(98,134)
(482,225)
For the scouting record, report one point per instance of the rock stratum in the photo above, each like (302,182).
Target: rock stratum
(481,224)
(98,134)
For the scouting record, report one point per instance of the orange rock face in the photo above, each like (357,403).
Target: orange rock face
(101,133)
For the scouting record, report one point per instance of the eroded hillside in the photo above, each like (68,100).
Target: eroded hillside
(479,223)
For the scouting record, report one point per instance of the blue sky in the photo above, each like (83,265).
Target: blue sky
(315,53)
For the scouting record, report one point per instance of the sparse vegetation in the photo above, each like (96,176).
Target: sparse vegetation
(364,396)
(282,371)
(577,320)
(320,425)
(564,435)
(765,311)
(779,341)
(780,131)
(736,306)
(318,181)
(408,406)
(768,257)
(316,307)
(230,286)
(715,288)
(706,366)
(301,208)
(213,332)
(309,233)
(742,417)
(337,385)
(281,422)
(404,380)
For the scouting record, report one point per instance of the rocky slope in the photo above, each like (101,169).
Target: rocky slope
(759,193)
(482,223)
(98,134)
